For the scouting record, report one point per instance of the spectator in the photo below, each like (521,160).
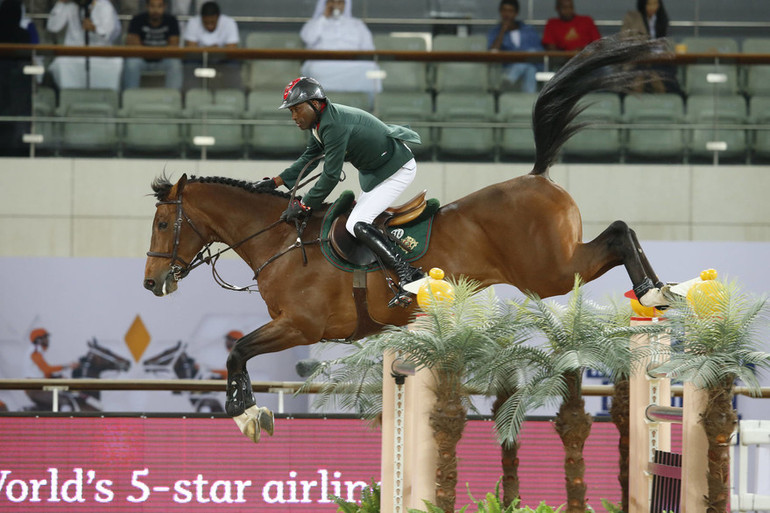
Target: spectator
(154,28)
(569,31)
(333,27)
(516,36)
(15,88)
(650,19)
(89,24)
(27,24)
(211,28)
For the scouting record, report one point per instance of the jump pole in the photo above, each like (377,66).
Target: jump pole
(409,457)
(645,436)
(409,452)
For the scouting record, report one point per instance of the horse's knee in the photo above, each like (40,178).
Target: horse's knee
(619,228)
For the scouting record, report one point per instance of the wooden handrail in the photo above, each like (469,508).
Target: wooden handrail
(292,54)
(219,385)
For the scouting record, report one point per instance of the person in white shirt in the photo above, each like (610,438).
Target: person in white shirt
(94,24)
(211,28)
(333,27)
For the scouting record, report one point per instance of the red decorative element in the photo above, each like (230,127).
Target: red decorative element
(289,87)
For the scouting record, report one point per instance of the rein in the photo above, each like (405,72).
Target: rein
(204,256)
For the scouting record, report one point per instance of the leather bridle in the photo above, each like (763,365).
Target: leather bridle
(180,271)
(204,256)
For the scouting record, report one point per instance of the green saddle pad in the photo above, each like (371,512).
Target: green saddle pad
(415,234)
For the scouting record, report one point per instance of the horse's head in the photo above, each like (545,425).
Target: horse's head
(99,359)
(175,239)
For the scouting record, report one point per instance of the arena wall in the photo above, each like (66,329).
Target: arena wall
(65,207)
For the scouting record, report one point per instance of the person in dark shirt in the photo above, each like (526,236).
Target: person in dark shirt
(153,28)
(15,87)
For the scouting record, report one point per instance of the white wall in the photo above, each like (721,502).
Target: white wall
(102,207)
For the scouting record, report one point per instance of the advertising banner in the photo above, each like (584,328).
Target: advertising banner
(167,465)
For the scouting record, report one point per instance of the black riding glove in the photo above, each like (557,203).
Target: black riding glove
(266,184)
(296,212)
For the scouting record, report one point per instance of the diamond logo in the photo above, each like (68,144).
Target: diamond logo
(137,338)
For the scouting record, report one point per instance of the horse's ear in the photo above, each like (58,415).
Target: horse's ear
(180,184)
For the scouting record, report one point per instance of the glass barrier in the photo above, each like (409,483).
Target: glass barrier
(699,107)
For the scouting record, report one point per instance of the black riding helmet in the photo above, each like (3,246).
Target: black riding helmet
(300,90)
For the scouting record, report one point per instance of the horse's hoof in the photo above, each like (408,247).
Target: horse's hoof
(266,420)
(248,423)
(654,297)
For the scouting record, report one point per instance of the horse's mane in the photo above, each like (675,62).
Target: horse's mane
(161,186)
(609,64)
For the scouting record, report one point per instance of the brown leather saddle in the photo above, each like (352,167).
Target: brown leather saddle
(348,248)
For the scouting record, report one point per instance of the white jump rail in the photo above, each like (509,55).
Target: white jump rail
(751,433)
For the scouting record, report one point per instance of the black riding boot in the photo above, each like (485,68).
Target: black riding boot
(390,257)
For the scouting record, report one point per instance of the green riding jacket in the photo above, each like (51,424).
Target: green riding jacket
(351,135)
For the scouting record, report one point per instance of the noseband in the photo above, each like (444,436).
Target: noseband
(180,271)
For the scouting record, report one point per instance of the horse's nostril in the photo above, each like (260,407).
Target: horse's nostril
(149,284)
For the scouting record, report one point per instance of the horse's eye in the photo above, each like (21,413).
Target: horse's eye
(162,225)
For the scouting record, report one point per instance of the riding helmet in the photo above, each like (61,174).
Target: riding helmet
(300,90)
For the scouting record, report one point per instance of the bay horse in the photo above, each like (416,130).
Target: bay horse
(526,231)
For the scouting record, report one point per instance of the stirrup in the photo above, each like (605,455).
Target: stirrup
(401,299)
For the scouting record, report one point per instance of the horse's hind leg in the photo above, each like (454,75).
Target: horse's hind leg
(618,245)
(645,263)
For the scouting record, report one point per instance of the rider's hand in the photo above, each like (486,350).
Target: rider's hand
(267,184)
(296,212)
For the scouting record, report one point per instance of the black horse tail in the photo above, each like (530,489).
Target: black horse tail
(604,65)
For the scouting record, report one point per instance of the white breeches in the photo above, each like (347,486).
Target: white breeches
(373,203)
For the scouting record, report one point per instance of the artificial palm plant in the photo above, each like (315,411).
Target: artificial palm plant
(579,335)
(450,340)
(715,342)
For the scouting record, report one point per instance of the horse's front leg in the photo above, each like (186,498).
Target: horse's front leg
(240,403)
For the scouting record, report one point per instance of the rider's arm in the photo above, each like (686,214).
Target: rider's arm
(47,370)
(335,138)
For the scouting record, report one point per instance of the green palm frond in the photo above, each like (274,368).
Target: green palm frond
(722,345)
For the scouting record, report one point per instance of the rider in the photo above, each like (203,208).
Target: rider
(385,165)
(39,367)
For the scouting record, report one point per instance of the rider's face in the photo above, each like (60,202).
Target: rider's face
(303,115)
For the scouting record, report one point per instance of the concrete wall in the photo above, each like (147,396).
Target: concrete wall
(102,207)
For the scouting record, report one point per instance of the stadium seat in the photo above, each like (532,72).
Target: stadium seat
(88,136)
(45,106)
(460,76)
(466,142)
(711,113)
(658,143)
(279,136)
(696,74)
(517,142)
(407,108)
(351,99)
(233,97)
(219,116)
(269,74)
(597,143)
(759,114)
(402,75)
(757,76)
(156,136)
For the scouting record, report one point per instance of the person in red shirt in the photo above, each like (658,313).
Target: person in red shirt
(569,32)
